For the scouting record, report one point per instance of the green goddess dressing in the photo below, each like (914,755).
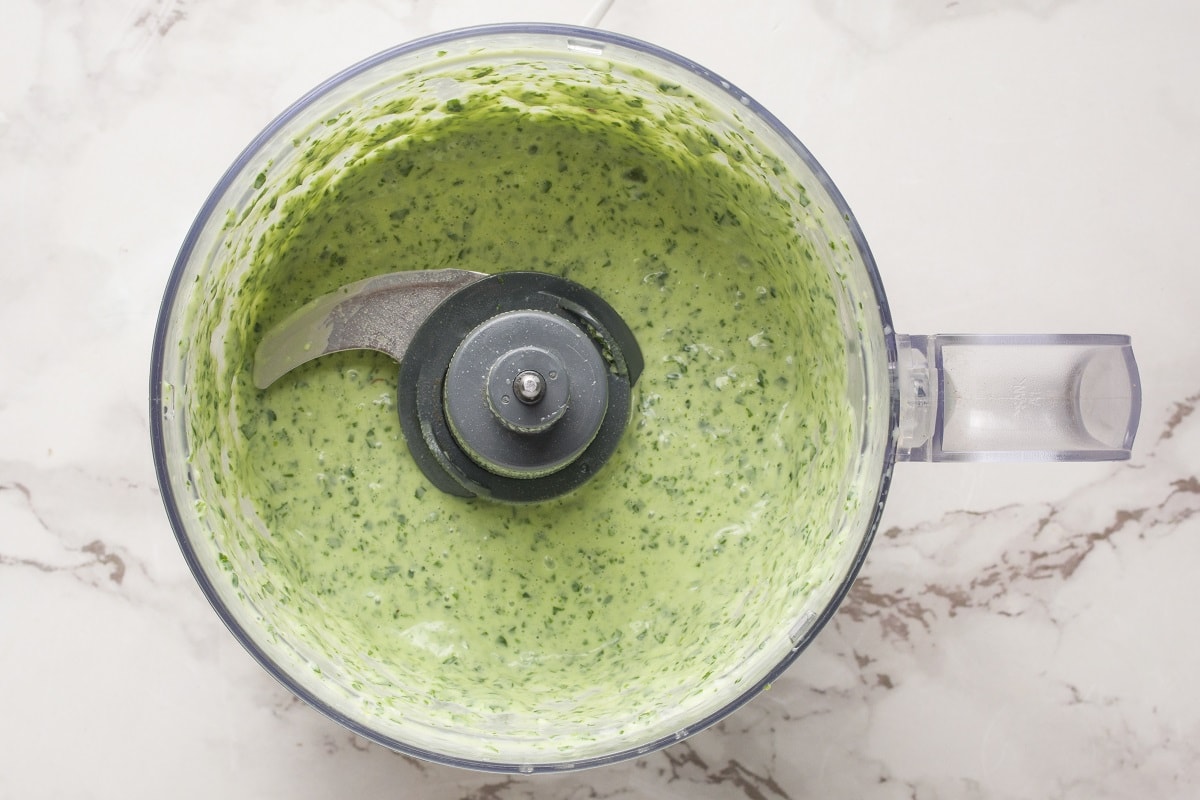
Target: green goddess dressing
(699,540)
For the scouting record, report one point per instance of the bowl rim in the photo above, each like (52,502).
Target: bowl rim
(556,32)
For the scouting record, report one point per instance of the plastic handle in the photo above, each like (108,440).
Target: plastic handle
(1017,398)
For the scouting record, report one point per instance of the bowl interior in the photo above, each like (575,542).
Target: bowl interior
(695,565)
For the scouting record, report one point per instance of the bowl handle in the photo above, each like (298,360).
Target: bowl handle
(1040,397)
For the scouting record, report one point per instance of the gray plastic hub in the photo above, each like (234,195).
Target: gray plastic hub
(542,433)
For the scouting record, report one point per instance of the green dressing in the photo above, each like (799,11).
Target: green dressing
(691,550)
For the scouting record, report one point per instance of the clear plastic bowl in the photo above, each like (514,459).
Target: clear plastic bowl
(202,346)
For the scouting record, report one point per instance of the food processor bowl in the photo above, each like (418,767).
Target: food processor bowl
(699,562)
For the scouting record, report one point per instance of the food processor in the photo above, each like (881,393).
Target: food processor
(525,398)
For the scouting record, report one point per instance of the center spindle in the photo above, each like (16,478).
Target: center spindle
(529,387)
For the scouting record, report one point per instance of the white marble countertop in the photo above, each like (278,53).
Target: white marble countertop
(1017,632)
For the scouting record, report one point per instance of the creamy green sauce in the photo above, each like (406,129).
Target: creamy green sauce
(697,546)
